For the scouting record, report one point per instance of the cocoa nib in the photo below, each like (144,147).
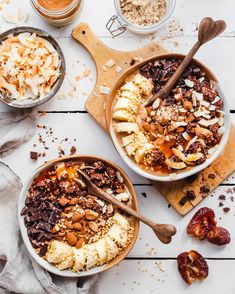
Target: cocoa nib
(222,197)
(205,189)
(189,196)
(226,209)
(211,176)
(34,155)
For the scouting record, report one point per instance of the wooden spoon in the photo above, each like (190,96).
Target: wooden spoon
(208,30)
(164,232)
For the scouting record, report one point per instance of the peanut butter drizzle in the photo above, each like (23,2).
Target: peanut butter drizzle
(54,4)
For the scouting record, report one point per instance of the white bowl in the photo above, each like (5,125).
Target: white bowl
(180,174)
(46,265)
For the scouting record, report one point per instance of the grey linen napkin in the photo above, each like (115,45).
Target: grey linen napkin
(19,273)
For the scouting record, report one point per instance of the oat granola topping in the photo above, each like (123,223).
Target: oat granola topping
(143,12)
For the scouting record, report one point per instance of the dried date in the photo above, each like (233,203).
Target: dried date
(192,266)
(202,222)
(219,236)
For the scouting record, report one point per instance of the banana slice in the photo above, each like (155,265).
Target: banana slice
(79,256)
(122,103)
(58,251)
(194,157)
(175,165)
(121,220)
(100,247)
(179,154)
(118,234)
(125,127)
(128,95)
(128,139)
(130,87)
(112,248)
(123,115)
(131,148)
(145,85)
(142,151)
(92,256)
(141,138)
(66,263)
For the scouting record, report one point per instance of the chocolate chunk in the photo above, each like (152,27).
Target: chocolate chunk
(44,226)
(221,204)
(211,176)
(183,200)
(144,195)
(191,195)
(222,197)
(73,150)
(226,209)
(34,155)
(43,250)
(232,198)
(205,189)
(132,62)
(196,71)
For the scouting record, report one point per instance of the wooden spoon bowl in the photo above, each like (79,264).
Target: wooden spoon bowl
(189,170)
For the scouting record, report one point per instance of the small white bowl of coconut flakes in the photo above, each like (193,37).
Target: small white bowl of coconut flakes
(32,67)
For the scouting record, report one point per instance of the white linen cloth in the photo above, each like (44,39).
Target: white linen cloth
(18,272)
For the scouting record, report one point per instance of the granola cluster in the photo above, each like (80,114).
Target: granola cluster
(172,134)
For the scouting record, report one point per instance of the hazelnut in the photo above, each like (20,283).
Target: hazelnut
(77,226)
(55,229)
(63,215)
(80,243)
(90,214)
(64,201)
(93,226)
(152,136)
(76,217)
(188,105)
(164,121)
(74,201)
(190,118)
(68,224)
(146,127)
(180,130)
(71,239)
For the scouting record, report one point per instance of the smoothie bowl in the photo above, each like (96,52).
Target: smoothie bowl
(174,137)
(69,232)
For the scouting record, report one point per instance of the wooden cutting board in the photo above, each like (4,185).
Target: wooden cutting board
(107,76)
(203,183)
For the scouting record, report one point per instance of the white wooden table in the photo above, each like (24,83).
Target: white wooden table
(151,266)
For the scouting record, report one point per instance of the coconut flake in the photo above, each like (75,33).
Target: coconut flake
(189,83)
(110,63)
(207,123)
(217,98)
(104,90)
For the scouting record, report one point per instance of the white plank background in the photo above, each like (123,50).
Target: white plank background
(151,267)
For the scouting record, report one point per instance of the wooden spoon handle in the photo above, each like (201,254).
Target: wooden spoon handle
(208,30)
(163,229)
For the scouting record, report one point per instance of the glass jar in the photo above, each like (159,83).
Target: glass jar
(117,24)
(58,17)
